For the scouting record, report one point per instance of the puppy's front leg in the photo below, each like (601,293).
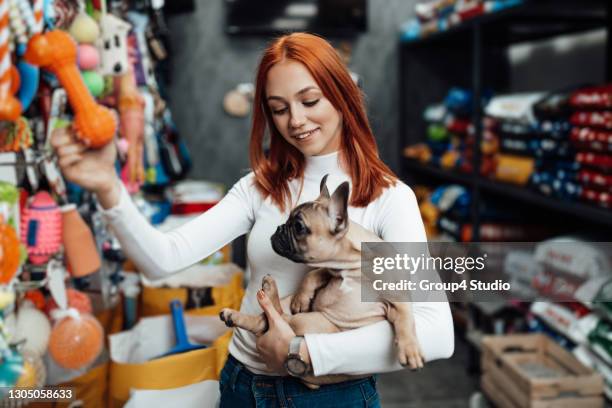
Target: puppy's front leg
(256,324)
(313,281)
(399,314)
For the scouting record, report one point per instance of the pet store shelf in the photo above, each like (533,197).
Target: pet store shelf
(522,194)
(531,21)
(454,176)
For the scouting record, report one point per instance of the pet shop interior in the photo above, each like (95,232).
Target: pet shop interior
(497,113)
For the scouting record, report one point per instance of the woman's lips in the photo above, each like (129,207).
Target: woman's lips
(304,136)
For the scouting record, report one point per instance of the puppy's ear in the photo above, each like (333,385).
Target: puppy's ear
(337,209)
(324,191)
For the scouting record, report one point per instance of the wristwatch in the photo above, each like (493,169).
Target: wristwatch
(294,364)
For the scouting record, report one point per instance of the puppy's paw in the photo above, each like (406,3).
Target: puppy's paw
(409,353)
(300,303)
(226,316)
(268,284)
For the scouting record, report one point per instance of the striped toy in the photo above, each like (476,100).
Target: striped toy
(38,15)
(10,108)
(27,15)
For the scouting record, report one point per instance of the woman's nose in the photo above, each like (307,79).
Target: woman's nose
(298,119)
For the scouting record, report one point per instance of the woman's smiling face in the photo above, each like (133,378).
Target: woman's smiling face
(301,114)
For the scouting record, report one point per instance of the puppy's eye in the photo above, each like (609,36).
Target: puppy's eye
(300,228)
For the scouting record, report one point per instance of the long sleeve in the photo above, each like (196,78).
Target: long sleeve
(370,349)
(158,254)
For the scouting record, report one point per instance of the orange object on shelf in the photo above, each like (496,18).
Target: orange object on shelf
(79,244)
(76,342)
(514,169)
(9,252)
(57,51)
(131,110)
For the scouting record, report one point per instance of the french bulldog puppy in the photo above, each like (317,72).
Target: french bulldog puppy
(320,234)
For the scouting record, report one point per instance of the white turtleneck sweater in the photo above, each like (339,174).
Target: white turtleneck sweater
(394,216)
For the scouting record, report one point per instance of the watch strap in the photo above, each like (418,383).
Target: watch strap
(294,345)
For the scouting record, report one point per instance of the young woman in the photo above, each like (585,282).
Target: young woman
(314,115)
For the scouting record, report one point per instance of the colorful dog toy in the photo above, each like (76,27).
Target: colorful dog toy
(9,252)
(56,51)
(32,326)
(10,108)
(41,228)
(76,340)
(79,244)
(131,110)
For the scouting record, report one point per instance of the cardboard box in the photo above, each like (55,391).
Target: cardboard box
(532,371)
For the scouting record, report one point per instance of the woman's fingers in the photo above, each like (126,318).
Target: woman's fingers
(65,161)
(69,149)
(61,137)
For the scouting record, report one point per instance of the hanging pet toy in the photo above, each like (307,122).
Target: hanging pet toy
(32,17)
(10,107)
(56,50)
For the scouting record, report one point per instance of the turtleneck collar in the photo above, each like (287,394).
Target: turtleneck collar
(318,166)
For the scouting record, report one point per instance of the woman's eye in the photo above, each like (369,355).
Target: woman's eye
(311,103)
(279,111)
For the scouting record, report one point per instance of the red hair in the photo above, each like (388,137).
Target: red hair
(358,150)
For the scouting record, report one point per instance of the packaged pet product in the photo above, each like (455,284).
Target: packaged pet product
(573,256)
(595,160)
(598,97)
(514,169)
(594,178)
(555,105)
(522,268)
(597,140)
(600,119)
(515,108)
(601,198)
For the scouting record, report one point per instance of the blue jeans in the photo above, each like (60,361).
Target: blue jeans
(242,389)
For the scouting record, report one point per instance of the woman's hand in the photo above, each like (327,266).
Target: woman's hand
(273,345)
(92,169)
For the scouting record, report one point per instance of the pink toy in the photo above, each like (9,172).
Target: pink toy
(87,56)
(10,107)
(56,51)
(41,228)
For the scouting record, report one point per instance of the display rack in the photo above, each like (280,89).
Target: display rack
(474,55)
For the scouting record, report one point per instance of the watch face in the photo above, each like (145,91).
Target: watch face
(296,366)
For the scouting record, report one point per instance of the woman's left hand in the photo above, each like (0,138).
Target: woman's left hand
(273,345)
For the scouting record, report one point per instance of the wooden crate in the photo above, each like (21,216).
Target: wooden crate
(532,371)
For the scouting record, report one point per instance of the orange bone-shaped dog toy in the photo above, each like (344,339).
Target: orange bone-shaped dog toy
(57,51)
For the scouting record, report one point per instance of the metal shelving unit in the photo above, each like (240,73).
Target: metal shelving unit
(472,55)
(581,210)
